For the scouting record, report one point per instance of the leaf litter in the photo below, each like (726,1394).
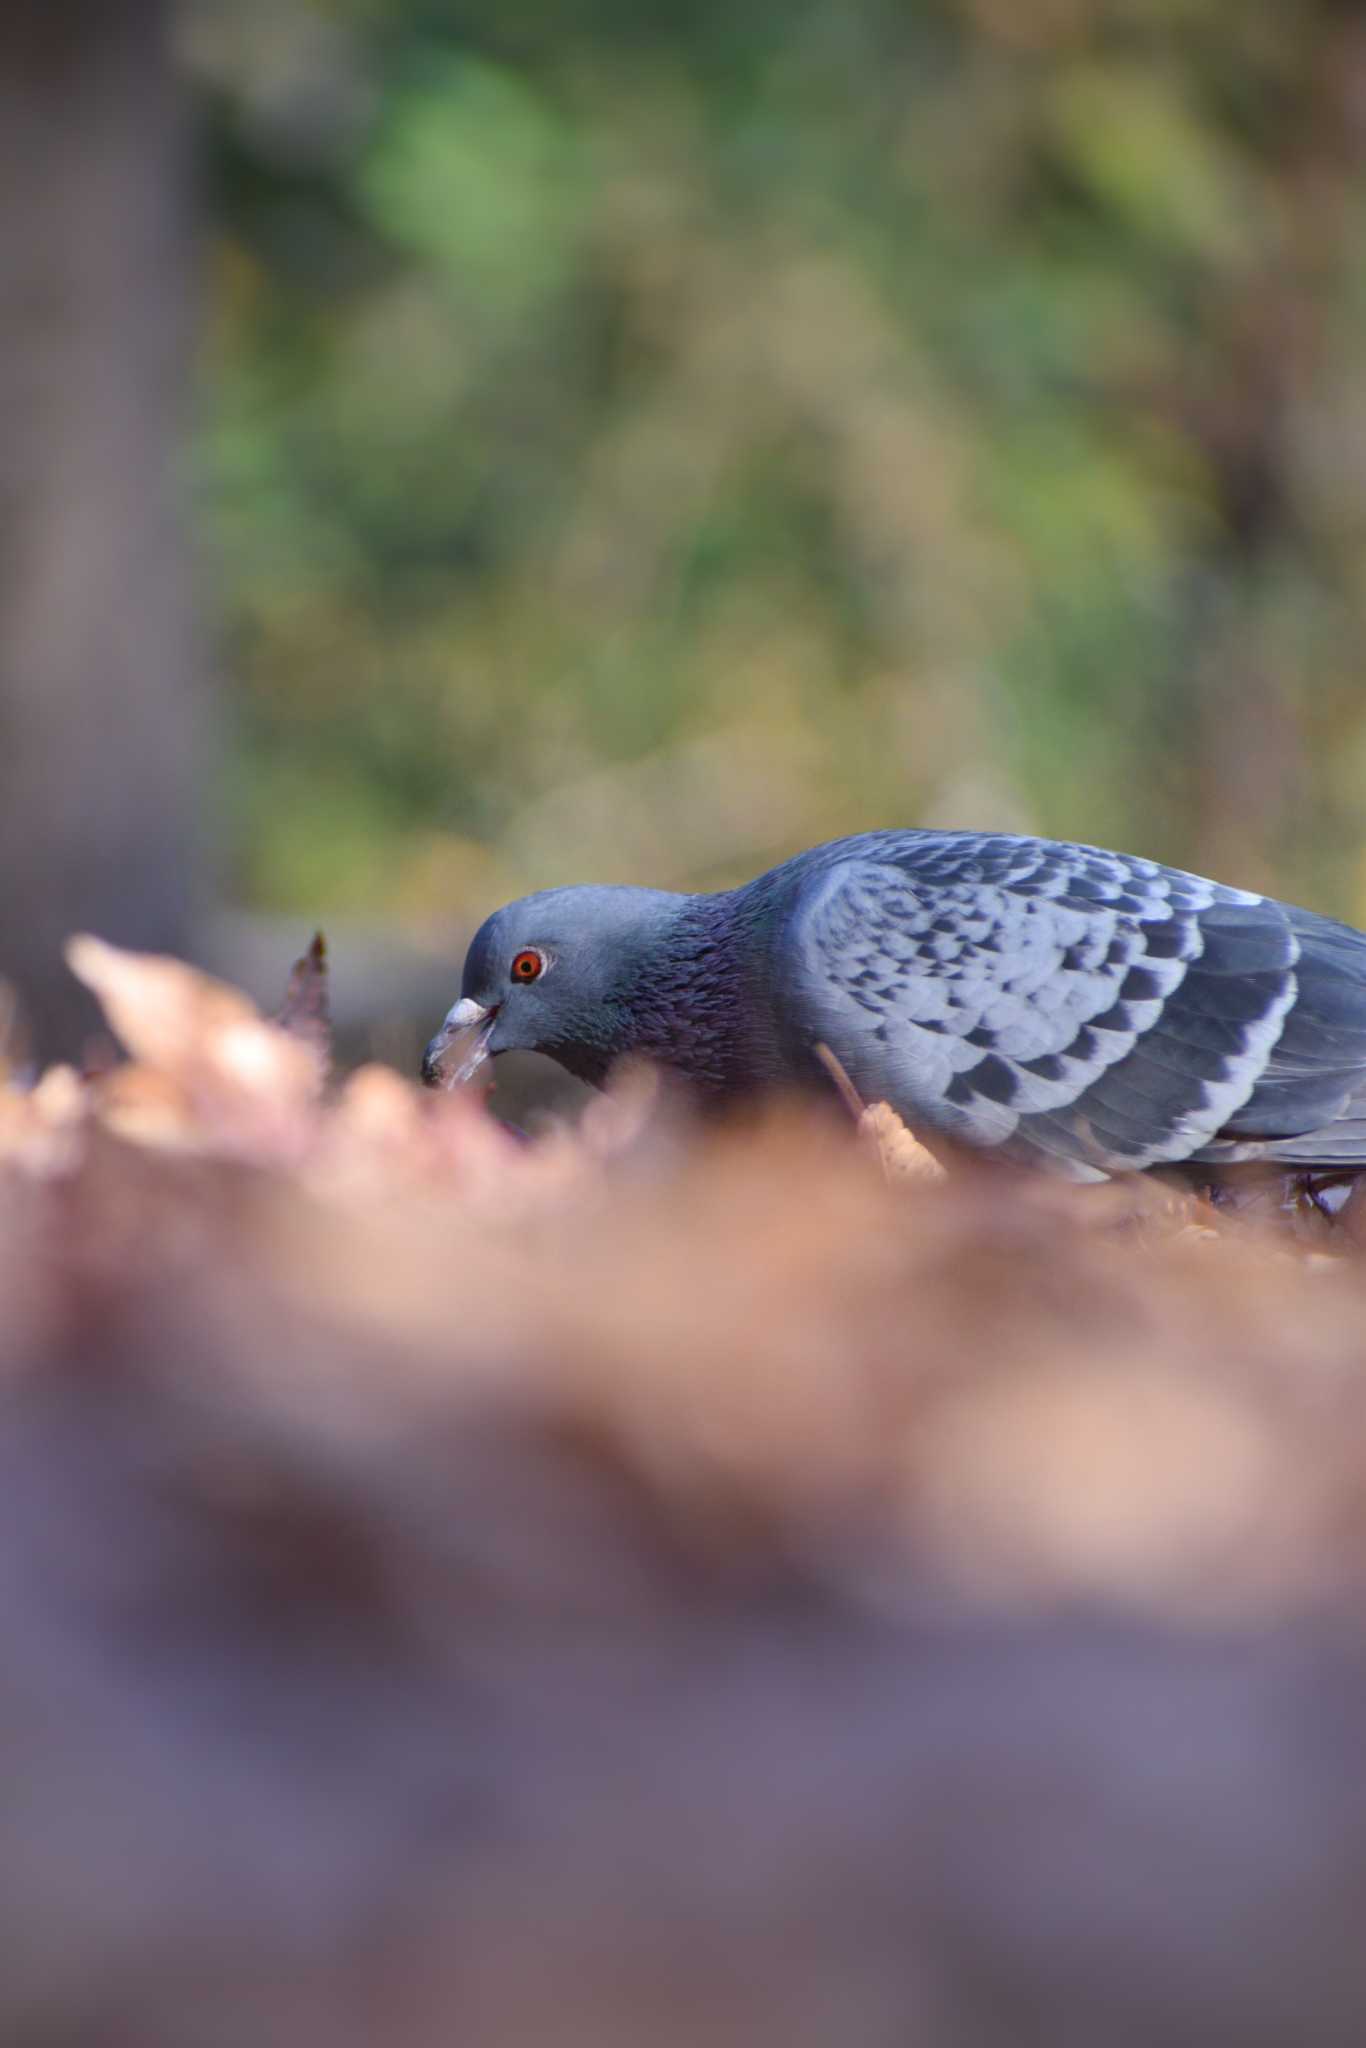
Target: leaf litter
(629,1486)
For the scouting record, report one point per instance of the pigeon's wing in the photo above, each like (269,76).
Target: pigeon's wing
(1086,1009)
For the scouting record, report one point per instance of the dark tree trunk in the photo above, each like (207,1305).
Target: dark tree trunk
(101,709)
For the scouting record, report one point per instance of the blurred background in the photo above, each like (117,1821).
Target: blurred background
(450,450)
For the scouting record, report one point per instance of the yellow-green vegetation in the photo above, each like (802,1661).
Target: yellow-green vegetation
(637,441)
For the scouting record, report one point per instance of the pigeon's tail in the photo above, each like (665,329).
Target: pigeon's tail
(1340,1143)
(1337,1142)
(1308,1107)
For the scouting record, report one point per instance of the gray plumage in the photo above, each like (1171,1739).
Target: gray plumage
(1088,1011)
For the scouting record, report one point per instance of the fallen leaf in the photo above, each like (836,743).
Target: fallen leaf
(306,1010)
(247,1083)
(902,1154)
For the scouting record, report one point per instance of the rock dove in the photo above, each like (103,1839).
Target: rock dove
(1086,1011)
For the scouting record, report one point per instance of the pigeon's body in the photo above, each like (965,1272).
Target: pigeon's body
(1087,1011)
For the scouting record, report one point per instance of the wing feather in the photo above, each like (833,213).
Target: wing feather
(1053,1001)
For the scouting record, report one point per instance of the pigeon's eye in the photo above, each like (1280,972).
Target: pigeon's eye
(528,965)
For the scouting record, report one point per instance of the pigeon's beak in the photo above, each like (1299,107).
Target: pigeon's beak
(461,1046)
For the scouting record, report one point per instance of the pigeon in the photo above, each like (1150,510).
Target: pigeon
(1088,1012)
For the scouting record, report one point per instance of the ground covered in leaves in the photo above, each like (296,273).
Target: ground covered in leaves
(636,1587)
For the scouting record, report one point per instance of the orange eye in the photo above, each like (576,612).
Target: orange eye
(526,966)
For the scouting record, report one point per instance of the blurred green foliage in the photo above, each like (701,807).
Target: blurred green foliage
(639,441)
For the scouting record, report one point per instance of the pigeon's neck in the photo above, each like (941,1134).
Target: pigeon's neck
(692,1004)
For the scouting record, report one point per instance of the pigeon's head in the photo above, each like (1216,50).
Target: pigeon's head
(556,973)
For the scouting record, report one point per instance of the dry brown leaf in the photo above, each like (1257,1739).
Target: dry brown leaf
(161,1010)
(183,1022)
(902,1154)
(306,1010)
(148,1106)
(41,1127)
